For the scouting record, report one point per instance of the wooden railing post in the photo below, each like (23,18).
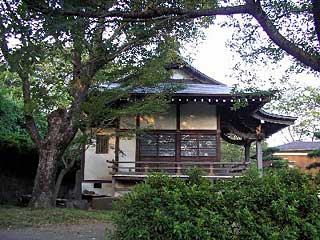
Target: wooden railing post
(113,188)
(211,170)
(178,170)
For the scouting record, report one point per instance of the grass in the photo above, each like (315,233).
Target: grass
(17,217)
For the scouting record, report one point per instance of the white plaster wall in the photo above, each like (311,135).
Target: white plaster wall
(290,154)
(128,122)
(95,165)
(179,75)
(127,153)
(106,188)
(163,121)
(198,116)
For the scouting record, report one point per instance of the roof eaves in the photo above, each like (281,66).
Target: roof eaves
(273,115)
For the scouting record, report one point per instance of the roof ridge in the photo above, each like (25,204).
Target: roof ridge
(194,70)
(299,145)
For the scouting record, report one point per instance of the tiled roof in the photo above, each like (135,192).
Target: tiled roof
(203,89)
(200,85)
(299,145)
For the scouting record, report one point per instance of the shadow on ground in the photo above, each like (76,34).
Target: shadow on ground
(94,231)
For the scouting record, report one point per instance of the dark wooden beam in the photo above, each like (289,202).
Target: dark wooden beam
(245,135)
(247,146)
(137,155)
(178,116)
(218,139)
(178,134)
(117,143)
(226,138)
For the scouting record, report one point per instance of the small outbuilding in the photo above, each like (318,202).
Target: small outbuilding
(297,154)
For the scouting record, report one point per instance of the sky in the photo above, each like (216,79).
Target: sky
(215,59)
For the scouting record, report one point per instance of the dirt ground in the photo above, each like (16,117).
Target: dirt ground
(96,231)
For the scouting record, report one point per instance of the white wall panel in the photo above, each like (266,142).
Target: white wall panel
(127,153)
(95,165)
(163,121)
(128,122)
(198,116)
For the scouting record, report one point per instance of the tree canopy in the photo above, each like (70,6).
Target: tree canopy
(302,102)
(60,59)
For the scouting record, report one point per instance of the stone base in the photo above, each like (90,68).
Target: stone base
(78,204)
(104,203)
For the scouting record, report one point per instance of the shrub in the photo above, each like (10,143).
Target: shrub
(280,163)
(281,205)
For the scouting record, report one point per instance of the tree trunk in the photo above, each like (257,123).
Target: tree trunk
(77,185)
(62,173)
(43,193)
(61,131)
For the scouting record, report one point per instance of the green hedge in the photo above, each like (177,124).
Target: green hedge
(281,205)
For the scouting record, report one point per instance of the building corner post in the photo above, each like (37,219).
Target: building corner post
(247,152)
(259,155)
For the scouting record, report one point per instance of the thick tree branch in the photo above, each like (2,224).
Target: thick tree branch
(309,60)
(316,15)
(147,14)
(80,82)
(96,62)
(98,36)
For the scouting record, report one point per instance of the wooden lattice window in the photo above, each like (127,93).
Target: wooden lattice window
(198,145)
(102,144)
(158,145)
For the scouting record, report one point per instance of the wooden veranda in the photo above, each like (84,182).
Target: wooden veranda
(138,171)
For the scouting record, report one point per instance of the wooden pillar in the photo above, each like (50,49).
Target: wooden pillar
(116,148)
(259,155)
(247,152)
(137,155)
(218,136)
(178,140)
(113,187)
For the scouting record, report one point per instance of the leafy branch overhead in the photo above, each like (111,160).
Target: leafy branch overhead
(292,26)
(303,102)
